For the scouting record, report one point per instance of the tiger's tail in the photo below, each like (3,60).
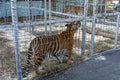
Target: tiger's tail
(29,56)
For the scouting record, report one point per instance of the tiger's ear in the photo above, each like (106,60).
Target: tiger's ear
(67,25)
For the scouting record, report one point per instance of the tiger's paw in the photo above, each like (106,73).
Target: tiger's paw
(41,69)
(69,61)
(30,76)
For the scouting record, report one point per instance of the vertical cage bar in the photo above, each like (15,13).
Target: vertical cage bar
(15,27)
(28,14)
(50,16)
(106,7)
(84,30)
(93,28)
(45,16)
(117,31)
(29,9)
(31,16)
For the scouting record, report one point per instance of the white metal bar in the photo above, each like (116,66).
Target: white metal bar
(16,42)
(5,26)
(117,32)
(105,7)
(45,15)
(106,22)
(56,21)
(106,14)
(52,21)
(40,22)
(93,30)
(50,16)
(28,14)
(29,10)
(83,47)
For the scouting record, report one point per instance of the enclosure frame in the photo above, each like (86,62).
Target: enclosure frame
(84,18)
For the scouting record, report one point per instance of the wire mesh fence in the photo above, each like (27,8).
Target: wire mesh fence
(99,32)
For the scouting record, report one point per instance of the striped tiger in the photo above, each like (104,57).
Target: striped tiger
(54,45)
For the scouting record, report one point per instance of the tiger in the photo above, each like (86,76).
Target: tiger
(74,9)
(52,45)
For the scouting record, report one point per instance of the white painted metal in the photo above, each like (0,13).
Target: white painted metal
(16,40)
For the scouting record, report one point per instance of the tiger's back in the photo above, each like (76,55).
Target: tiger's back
(48,44)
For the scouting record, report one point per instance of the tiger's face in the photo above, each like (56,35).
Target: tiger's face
(73,26)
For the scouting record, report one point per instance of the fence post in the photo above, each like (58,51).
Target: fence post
(30,16)
(84,31)
(117,31)
(15,27)
(45,16)
(50,17)
(93,28)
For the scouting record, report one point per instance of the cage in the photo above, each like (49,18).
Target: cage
(22,21)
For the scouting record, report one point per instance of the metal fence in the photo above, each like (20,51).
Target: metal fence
(99,31)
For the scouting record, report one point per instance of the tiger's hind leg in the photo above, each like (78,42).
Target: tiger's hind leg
(60,55)
(59,59)
(38,64)
(37,61)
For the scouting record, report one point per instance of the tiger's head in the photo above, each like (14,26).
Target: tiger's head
(73,26)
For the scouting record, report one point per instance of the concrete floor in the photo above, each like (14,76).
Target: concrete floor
(103,67)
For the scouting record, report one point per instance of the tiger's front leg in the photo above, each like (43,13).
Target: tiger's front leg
(70,60)
(69,48)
